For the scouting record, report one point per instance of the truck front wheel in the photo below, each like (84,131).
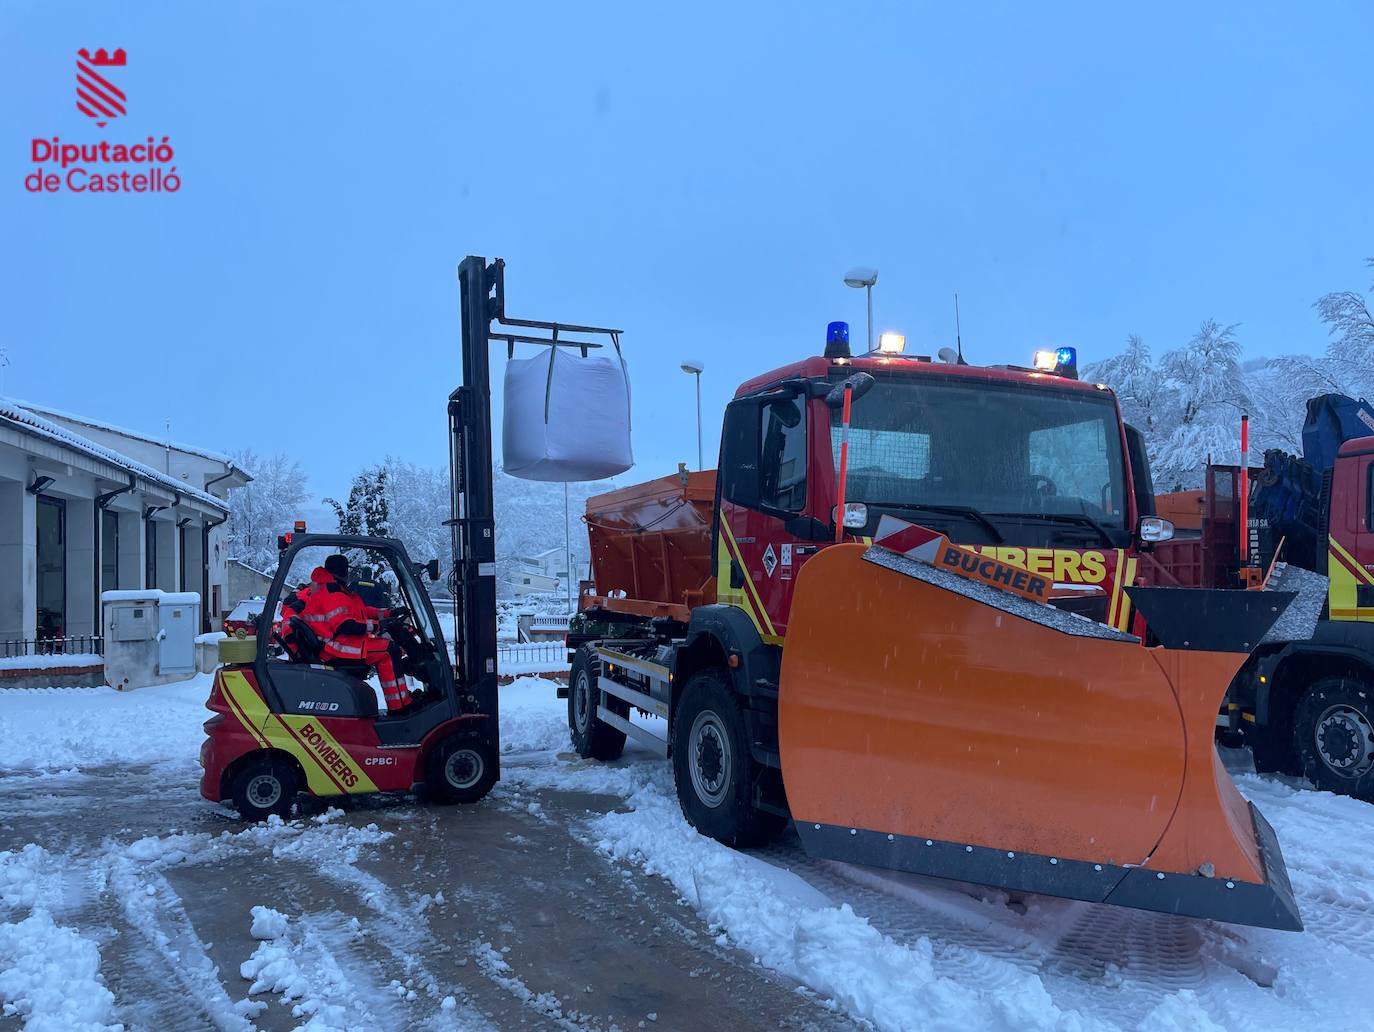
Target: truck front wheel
(712,768)
(592,738)
(1333,730)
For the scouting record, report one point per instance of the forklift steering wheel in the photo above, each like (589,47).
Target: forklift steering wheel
(1043,486)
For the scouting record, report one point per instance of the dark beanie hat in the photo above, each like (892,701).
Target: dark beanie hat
(337,565)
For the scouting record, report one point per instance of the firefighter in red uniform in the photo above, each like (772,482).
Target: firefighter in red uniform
(292,605)
(347,626)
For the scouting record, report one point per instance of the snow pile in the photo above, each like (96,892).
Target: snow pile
(276,967)
(50,977)
(22,882)
(59,661)
(73,728)
(267,923)
(533,718)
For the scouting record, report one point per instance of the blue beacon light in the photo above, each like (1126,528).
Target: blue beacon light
(837,340)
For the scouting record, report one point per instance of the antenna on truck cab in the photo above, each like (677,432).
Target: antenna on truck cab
(958,333)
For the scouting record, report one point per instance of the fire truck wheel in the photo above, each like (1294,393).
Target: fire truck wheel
(461,769)
(712,768)
(592,738)
(1334,732)
(262,787)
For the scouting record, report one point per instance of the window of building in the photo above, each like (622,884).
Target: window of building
(52,567)
(109,550)
(181,544)
(150,553)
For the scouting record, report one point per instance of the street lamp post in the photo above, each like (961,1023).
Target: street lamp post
(694,366)
(864,277)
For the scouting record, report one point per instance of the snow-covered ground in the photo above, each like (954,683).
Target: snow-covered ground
(52,729)
(905,952)
(889,951)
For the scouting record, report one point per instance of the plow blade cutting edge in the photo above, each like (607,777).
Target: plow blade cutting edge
(936,725)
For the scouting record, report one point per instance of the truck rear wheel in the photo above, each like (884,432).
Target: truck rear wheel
(592,738)
(712,767)
(1333,730)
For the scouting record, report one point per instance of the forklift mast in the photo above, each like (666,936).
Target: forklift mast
(482,290)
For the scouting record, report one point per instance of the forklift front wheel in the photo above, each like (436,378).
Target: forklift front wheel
(461,769)
(262,787)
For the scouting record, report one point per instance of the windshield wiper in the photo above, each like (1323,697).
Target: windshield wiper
(1076,518)
(966,511)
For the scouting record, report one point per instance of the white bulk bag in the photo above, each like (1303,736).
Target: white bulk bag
(566,417)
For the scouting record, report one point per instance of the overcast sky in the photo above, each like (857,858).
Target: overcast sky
(701,178)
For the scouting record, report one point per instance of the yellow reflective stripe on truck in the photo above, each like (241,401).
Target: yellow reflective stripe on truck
(745,598)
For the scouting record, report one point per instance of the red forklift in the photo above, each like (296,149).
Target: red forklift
(288,722)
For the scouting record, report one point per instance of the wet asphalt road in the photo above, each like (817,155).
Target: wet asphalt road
(534,929)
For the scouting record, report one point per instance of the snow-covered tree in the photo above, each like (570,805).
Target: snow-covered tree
(1189,403)
(266,507)
(1350,354)
(1134,378)
(367,510)
(418,503)
(1204,393)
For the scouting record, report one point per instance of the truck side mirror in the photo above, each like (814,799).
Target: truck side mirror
(1154,529)
(861,383)
(740,446)
(432,569)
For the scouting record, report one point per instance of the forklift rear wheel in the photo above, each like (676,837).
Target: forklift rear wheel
(713,770)
(262,787)
(1334,733)
(592,737)
(461,769)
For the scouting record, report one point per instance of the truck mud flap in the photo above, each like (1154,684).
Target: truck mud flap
(939,726)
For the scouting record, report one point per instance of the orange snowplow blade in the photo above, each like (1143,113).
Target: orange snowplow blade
(934,725)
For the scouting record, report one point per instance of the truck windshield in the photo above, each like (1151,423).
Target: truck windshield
(1002,451)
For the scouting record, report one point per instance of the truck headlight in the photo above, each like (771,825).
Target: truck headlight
(855,515)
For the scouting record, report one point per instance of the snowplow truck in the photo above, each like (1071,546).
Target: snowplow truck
(1303,703)
(902,716)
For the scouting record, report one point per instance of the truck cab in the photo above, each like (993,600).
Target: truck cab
(694,574)
(1026,465)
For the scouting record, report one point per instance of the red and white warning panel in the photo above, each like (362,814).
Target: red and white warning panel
(917,542)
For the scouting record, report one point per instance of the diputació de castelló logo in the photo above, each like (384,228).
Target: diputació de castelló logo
(102,166)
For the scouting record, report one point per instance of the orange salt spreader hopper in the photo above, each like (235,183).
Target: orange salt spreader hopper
(932,724)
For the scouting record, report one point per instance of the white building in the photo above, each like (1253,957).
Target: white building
(86,507)
(544,572)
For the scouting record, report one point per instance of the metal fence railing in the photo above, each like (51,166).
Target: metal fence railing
(550,652)
(76,645)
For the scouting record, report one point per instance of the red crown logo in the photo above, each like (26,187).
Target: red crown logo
(96,96)
(101,59)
